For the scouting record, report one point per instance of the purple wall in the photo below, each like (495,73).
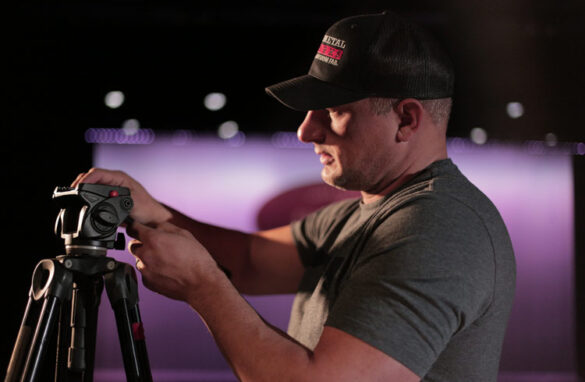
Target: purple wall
(229,184)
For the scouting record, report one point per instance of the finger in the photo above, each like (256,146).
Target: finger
(134,246)
(130,231)
(127,223)
(78,179)
(103,176)
(140,265)
(92,176)
(137,229)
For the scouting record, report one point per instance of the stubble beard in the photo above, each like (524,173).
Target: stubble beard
(345,180)
(359,178)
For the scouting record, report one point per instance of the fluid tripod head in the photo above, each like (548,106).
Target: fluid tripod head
(89,217)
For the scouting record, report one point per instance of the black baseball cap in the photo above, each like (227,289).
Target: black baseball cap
(377,55)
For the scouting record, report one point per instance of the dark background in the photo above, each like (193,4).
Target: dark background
(61,58)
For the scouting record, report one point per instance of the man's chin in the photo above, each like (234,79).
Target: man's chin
(336,186)
(338,182)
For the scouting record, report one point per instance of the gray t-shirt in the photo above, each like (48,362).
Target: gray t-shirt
(426,275)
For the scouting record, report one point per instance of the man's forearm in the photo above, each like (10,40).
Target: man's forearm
(255,350)
(265,262)
(230,248)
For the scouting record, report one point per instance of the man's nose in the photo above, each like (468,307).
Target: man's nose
(314,127)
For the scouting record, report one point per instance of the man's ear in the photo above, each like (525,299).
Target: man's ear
(410,113)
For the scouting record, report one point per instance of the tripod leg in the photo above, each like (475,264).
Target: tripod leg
(122,291)
(23,341)
(52,284)
(77,333)
(47,323)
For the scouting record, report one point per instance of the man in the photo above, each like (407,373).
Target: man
(412,282)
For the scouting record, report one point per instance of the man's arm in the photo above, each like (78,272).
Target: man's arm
(258,352)
(261,263)
(265,262)
(173,263)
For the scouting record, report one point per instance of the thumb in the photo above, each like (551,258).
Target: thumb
(137,229)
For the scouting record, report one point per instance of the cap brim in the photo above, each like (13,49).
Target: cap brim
(309,93)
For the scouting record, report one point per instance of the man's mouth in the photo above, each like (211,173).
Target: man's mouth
(325,158)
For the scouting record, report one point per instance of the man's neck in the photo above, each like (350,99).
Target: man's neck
(404,177)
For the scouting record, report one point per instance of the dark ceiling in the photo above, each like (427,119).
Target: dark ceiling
(166,56)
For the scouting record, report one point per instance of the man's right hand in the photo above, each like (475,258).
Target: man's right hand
(146,210)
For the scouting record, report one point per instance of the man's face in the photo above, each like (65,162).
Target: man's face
(357,148)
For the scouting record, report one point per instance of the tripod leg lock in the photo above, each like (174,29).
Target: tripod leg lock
(138,331)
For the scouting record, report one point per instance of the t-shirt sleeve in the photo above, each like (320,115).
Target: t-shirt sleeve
(315,233)
(303,233)
(417,283)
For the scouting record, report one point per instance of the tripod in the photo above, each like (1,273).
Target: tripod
(64,297)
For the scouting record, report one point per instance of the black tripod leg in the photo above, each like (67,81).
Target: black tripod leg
(41,340)
(122,291)
(77,333)
(51,283)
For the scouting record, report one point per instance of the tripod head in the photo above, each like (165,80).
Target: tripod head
(89,217)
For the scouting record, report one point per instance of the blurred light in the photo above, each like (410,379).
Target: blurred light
(114,99)
(227,130)
(550,139)
(581,148)
(181,137)
(535,147)
(97,135)
(131,127)
(288,140)
(478,135)
(237,140)
(214,101)
(515,109)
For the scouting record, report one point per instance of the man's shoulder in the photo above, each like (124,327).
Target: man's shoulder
(335,211)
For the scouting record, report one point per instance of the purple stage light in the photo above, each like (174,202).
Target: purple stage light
(531,184)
